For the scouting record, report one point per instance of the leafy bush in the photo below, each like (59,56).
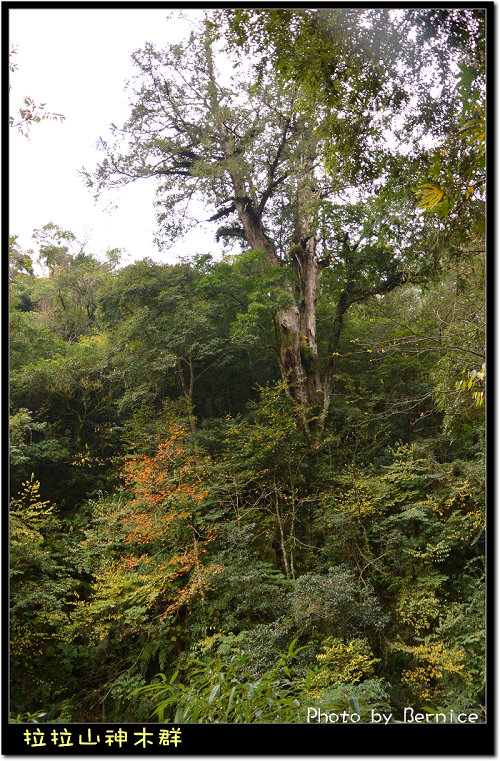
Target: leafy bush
(336,604)
(220,690)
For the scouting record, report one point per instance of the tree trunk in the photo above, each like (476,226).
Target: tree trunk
(281,532)
(296,325)
(306,353)
(299,349)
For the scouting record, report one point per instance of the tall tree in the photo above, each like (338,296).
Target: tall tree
(254,151)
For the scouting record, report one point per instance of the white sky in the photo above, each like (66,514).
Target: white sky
(76,62)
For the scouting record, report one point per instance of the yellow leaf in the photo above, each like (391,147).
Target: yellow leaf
(430,196)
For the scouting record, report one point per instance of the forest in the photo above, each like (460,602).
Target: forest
(251,482)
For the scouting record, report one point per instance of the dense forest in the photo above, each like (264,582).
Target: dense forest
(252,481)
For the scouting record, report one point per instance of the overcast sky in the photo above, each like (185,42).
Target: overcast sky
(76,62)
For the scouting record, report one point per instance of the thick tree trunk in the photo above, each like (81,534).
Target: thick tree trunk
(309,275)
(296,325)
(299,353)
(297,334)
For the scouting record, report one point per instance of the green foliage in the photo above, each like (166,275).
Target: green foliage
(459,373)
(219,690)
(265,555)
(66,300)
(26,718)
(22,426)
(335,603)
(455,171)
(475,378)
(363,697)
(42,583)
(340,662)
